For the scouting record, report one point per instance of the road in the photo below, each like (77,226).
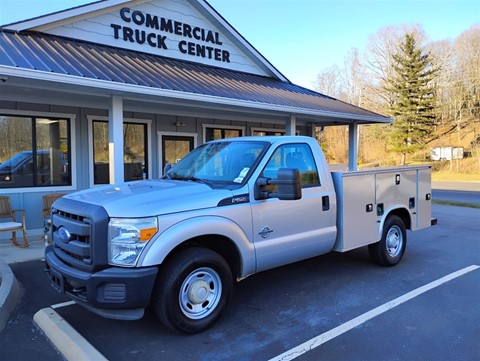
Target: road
(457,196)
(278,310)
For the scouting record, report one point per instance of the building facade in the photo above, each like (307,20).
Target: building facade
(114,90)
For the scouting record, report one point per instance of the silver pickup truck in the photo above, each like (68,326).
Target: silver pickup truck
(229,209)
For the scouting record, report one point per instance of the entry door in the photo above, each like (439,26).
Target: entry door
(175,147)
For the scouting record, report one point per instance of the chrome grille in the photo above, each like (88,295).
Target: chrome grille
(80,231)
(72,238)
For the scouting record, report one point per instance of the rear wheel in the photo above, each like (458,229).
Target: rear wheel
(390,249)
(193,289)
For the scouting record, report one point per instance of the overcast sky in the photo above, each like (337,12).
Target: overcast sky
(302,37)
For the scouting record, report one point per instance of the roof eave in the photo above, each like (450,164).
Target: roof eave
(45,22)
(57,16)
(124,88)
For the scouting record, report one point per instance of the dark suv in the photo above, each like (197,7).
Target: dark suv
(22,171)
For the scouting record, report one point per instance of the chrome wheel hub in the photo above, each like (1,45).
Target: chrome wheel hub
(200,293)
(394,241)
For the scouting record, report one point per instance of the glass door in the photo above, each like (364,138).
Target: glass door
(175,148)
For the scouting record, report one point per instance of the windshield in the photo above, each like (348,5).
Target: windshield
(219,164)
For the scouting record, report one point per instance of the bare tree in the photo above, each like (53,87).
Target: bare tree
(353,76)
(363,80)
(378,61)
(328,82)
(467,48)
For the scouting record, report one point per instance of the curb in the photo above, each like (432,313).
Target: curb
(64,337)
(10,294)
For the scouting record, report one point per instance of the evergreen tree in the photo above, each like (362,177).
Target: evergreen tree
(413,90)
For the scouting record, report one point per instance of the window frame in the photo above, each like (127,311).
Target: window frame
(267,130)
(160,137)
(71,118)
(91,119)
(222,127)
(289,145)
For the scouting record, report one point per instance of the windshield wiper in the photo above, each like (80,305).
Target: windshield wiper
(198,180)
(192,178)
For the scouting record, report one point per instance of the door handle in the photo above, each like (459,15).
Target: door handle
(325,203)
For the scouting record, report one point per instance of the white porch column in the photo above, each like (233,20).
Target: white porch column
(353,146)
(115,139)
(291,126)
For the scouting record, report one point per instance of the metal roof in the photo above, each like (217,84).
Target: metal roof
(76,59)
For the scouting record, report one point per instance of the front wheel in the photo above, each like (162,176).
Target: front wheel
(193,290)
(390,249)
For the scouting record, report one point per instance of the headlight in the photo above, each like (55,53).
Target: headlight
(127,237)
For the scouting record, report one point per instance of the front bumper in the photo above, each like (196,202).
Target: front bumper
(118,293)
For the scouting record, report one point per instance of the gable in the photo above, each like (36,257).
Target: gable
(182,29)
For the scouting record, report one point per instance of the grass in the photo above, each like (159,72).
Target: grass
(465,170)
(455,203)
(455,177)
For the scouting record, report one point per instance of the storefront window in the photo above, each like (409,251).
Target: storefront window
(263,133)
(34,152)
(221,133)
(135,151)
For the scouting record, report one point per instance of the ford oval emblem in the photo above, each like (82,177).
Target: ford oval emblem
(64,235)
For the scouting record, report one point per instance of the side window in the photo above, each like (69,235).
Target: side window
(297,156)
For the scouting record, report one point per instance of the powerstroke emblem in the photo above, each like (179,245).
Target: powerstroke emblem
(241,198)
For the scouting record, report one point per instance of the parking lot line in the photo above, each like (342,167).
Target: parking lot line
(63,304)
(347,326)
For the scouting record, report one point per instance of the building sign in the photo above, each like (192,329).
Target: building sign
(153,31)
(177,29)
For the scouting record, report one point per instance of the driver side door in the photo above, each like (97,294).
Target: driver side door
(287,231)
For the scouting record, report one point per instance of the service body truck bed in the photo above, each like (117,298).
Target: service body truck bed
(364,196)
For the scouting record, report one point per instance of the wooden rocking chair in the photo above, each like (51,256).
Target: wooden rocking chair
(48,200)
(9,221)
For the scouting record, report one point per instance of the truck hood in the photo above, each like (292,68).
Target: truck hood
(151,197)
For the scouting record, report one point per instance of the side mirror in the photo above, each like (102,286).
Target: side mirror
(289,186)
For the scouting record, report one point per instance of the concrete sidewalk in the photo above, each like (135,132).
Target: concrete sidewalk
(11,254)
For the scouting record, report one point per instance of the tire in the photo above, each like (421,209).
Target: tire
(390,249)
(193,289)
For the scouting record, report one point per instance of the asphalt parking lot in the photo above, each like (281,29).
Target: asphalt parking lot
(327,305)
